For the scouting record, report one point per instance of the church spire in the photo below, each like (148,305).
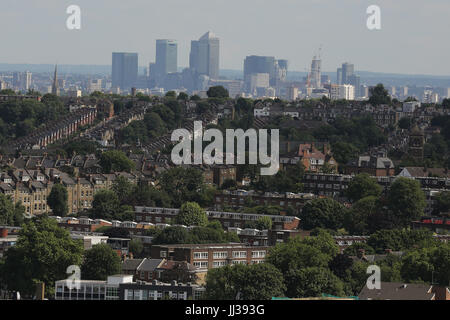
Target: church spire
(55,86)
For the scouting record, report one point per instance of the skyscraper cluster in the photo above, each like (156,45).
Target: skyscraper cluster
(263,74)
(203,64)
(22,80)
(346,75)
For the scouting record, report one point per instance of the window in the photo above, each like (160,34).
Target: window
(220,255)
(201,264)
(218,264)
(163,254)
(200,255)
(129,294)
(239,254)
(258,254)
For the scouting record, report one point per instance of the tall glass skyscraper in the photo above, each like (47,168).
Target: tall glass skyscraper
(124,70)
(347,71)
(166,57)
(264,64)
(204,56)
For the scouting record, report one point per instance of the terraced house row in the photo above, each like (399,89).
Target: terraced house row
(32,187)
(57,130)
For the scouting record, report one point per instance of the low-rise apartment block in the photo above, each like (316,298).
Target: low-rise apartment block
(208,256)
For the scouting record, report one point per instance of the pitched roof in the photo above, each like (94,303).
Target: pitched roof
(131,264)
(425,172)
(150,264)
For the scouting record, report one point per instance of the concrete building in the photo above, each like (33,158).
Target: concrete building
(315,76)
(258,65)
(166,59)
(124,70)
(95,85)
(204,56)
(343,91)
(258,80)
(209,256)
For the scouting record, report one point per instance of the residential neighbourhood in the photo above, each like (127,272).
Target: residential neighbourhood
(137,167)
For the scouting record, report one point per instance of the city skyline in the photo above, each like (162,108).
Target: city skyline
(397,48)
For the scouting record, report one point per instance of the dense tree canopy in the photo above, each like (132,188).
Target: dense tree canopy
(57,200)
(406,202)
(42,254)
(379,95)
(106,205)
(10,215)
(363,186)
(245,282)
(210,234)
(191,214)
(217,92)
(115,161)
(100,262)
(323,213)
(186,185)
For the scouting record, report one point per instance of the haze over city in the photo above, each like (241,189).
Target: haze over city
(411,39)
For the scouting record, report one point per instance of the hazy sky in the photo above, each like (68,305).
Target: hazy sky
(414,35)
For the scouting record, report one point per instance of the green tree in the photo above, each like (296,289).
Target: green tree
(8,92)
(264,223)
(405,123)
(406,202)
(172,235)
(10,215)
(105,205)
(247,282)
(379,95)
(297,254)
(217,92)
(42,254)
(171,94)
(136,247)
(100,262)
(442,203)
(313,282)
(183,185)
(363,186)
(400,239)
(362,218)
(124,189)
(446,103)
(57,200)
(114,161)
(427,264)
(323,213)
(191,214)
(182,96)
